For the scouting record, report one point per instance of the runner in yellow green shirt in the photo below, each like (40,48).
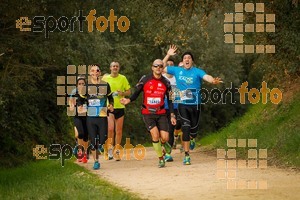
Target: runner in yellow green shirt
(120,88)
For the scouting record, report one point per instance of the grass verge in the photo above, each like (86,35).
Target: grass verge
(276,128)
(48,180)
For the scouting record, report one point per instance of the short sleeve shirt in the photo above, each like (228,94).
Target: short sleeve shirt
(188,83)
(117,83)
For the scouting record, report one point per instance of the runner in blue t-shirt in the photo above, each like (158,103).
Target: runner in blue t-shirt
(189,81)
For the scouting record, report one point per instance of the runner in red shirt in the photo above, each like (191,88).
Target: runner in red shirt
(155,87)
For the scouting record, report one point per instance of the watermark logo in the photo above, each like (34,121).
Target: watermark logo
(228,164)
(40,152)
(217,96)
(66,152)
(23,21)
(254,94)
(139,151)
(234,27)
(64,24)
(67,89)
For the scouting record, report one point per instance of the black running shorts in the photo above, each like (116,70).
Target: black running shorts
(160,121)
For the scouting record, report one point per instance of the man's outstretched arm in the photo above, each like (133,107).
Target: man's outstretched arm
(210,79)
(134,96)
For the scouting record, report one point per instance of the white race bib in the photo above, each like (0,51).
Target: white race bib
(153,100)
(94,102)
(186,95)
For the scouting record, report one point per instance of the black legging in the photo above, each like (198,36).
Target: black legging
(97,128)
(189,117)
(80,124)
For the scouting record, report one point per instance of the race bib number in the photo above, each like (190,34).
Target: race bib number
(153,100)
(186,95)
(94,102)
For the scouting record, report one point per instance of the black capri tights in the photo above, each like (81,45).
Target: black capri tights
(80,124)
(189,117)
(97,128)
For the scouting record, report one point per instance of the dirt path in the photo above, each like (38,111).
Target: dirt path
(197,181)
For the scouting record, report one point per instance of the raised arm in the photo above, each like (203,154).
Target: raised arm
(171,52)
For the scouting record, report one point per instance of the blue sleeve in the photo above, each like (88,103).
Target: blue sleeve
(171,70)
(201,73)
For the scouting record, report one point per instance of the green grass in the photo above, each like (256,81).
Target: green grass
(276,128)
(48,180)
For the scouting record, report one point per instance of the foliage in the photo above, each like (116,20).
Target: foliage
(31,62)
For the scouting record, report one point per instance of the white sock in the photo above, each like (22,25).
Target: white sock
(110,152)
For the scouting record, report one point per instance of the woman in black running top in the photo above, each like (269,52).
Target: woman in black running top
(78,102)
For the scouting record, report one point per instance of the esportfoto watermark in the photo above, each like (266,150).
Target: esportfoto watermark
(64,24)
(228,165)
(217,96)
(66,85)
(66,152)
(66,89)
(235,28)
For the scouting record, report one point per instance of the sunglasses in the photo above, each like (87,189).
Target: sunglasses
(158,65)
(81,83)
